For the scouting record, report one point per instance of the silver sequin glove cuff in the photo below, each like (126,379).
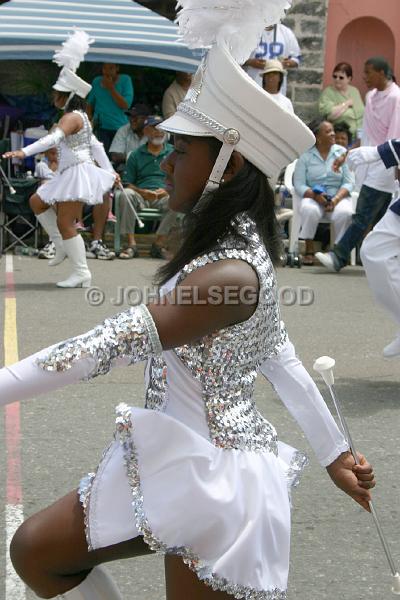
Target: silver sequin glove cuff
(46,142)
(130,334)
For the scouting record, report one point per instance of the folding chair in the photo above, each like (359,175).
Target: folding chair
(151,218)
(16,214)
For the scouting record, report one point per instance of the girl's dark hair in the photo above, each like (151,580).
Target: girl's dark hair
(378,63)
(249,191)
(344,67)
(76,102)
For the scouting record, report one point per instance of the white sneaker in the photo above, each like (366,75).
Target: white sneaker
(393,349)
(327,260)
(98,249)
(48,251)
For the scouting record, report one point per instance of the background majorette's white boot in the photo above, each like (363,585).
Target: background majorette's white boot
(98,585)
(48,220)
(76,252)
(393,349)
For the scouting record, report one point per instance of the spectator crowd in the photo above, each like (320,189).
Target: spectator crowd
(352,202)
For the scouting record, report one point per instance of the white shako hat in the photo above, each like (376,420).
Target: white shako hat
(69,58)
(225,103)
(68,81)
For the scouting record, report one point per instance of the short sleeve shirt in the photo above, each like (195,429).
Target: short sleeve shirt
(126,140)
(106,111)
(143,168)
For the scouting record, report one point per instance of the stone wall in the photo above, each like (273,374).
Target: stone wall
(307,19)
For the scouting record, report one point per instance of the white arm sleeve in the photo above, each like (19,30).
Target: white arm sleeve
(99,154)
(301,397)
(26,379)
(130,336)
(361,156)
(46,142)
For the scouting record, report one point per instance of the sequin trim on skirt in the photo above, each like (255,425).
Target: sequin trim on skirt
(202,570)
(84,491)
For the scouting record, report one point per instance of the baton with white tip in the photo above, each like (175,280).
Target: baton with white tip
(12,190)
(140,222)
(324,366)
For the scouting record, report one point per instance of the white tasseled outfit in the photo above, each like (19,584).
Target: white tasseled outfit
(78,178)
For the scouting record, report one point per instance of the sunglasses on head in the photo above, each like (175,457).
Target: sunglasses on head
(338,76)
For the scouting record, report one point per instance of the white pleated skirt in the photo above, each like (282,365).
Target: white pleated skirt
(226,512)
(84,182)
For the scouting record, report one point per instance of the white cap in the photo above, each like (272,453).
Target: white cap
(224,102)
(68,81)
(273,65)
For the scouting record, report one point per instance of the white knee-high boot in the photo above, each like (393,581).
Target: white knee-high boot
(48,220)
(76,252)
(98,585)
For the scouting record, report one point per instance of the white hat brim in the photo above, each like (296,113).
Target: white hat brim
(274,70)
(60,88)
(183,125)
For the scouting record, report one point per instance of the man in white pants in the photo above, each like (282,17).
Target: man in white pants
(380,251)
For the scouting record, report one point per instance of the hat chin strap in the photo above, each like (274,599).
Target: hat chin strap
(71,95)
(219,167)
(231,138)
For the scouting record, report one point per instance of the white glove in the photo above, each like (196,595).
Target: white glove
(362,156)
(46,142)
(99,154)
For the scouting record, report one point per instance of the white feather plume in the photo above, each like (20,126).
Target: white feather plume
(235,23)
(73,50)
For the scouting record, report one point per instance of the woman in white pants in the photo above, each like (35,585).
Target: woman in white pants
(323,192)
(380,251)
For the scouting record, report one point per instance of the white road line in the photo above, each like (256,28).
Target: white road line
(15,589)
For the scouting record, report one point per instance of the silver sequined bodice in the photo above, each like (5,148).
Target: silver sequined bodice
(226,362)
(76,148)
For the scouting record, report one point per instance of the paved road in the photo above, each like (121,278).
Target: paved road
(335,551)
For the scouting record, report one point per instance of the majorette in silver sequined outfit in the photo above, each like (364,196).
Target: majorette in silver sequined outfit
(77,178)
(199,472)
(231,477)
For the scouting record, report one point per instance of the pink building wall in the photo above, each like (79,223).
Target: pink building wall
(359,29)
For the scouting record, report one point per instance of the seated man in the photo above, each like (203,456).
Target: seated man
(324,193)
(129,137)
(144,187)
